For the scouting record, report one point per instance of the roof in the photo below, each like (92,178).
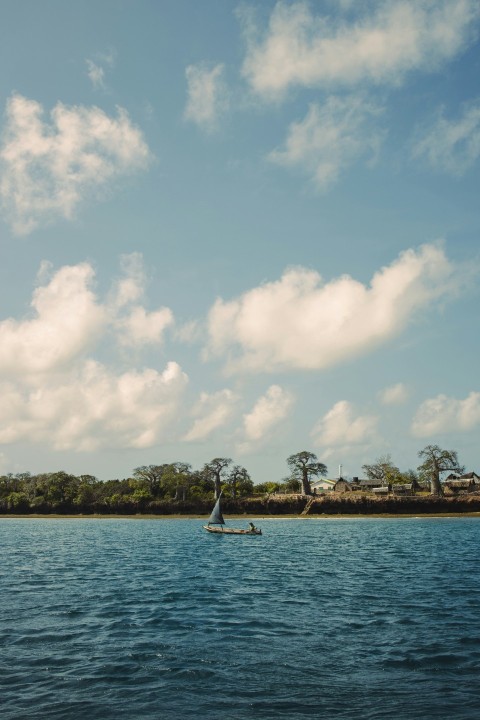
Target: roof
(458,483)
(369,483)
(466,476)
(323,483)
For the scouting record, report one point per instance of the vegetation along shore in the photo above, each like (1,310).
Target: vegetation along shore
(175,489)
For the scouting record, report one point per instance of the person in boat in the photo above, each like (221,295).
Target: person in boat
(252,527)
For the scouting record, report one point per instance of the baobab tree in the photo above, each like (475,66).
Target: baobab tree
(304,465)
(214,471)
(436,462)
(240,481)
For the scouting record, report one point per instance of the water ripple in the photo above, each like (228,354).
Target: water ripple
(365,619)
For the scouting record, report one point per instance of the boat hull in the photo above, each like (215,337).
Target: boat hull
(232,531)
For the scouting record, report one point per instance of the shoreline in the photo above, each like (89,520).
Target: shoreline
(323,516)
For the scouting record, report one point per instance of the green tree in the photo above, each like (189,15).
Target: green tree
(435,462)
(304,465)
(239,481)
(58,488)
(177,479)
(292,485)
(214,470)
(201,484)
(86,492)
(18,502)
(152,475)
(266,487)
(384,471)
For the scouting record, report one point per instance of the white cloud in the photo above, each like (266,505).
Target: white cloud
(131,286)
(91,407)
(140,327)
(96,68)
(47,170)
(267,412)
(339,426)
(96,73)
(55,393)
(136,326)
(213,412)
(443,414)
(67,321)
(330,138)
(301,322)
(190,332)
(207,95)
(394,395)
(451,146)
(306,49)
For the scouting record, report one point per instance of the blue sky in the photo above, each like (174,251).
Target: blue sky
(238,229)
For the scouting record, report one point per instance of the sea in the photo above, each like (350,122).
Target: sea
(361,618)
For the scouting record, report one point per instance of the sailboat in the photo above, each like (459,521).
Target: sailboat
(216,523)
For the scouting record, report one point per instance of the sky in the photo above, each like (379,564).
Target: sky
(238,229)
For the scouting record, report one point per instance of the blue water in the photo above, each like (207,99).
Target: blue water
(136,619)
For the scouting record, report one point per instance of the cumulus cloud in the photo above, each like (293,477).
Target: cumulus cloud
(443,414)
(394,395)
(140,327)
(330,138)
(451,146)
(91,407)
(54,392)
(131,286)
(213,411)
(135,326)
(301,322)
(267,412)
(303,48)
(207,95)
(340,427)
(48,169)
(67,320)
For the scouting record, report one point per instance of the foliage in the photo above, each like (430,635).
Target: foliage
(266,487)
(305,465)
(383,470)
(239,482)
(171,487)
(214,471)
(435,462)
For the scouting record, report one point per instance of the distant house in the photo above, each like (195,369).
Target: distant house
(458,487)
(342,485)
(369,485)
(375,486)
(321,486)
(461,484)
(404,489)
(473,476)
(467,476)
(381,490)
(423,485)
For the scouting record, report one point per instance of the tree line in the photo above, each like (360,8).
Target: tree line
(152,488)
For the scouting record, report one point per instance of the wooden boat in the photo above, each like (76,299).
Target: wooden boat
(216,524)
